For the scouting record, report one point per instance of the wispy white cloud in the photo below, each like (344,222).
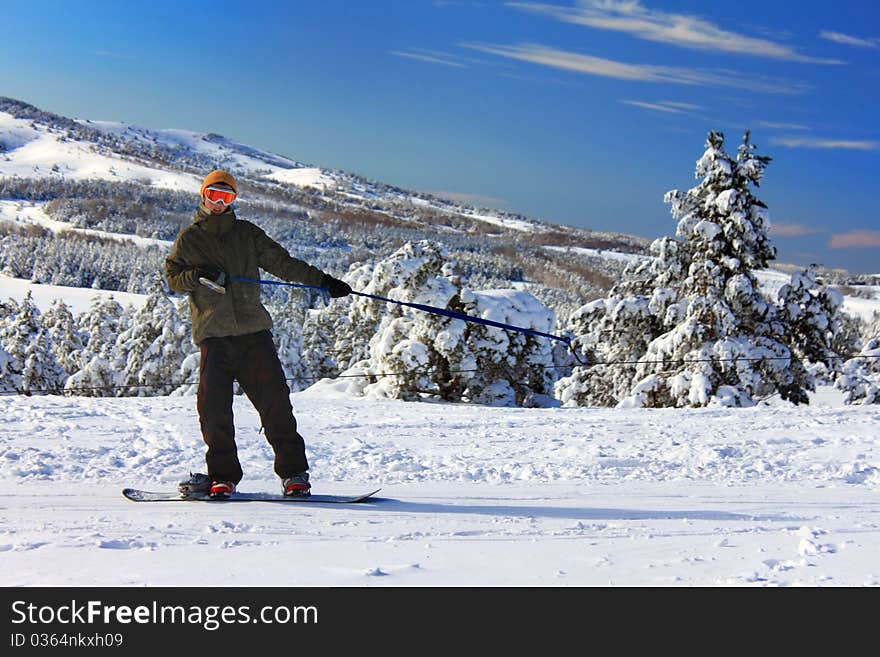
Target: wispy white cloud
(668,106)
(590,65)
(818,142)
(682,30)
(856,239)
(846,39)
(782,126)
(784,229)
(429,57)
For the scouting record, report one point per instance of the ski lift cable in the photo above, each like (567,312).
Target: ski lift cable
(377,375)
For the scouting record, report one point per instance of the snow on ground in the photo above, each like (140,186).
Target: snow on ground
(600,253)
(78,299)
(34,150)
(864,308)
(771,281)
(34,213)
(768,496)
(229,154)
(37,151)
(504,222)
(303,177)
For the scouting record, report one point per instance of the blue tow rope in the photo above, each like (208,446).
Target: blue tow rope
(425,308)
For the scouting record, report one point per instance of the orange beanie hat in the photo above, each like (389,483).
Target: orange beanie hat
(219,176)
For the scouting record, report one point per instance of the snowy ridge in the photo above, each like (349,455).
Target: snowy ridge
(36,144)
(35,150)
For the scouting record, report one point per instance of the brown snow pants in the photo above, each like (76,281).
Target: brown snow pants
(253,361)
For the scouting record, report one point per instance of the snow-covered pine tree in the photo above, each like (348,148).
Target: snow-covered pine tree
(31,365)
(420,354)
(64,335)
(288,313)
(693,319)
(189,367)
(7,383)
(319,335)
(512,368)
(859,377)
(400,340)
(100,369)
(98,377)
(41,371)
(154,346)
(100,325)
(337,337)
(812,317)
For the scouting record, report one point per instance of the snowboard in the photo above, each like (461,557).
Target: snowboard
(136,495)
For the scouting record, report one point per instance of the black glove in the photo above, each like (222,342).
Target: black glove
(217,276)
(336,287)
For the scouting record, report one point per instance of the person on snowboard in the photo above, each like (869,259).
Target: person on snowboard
(232,330)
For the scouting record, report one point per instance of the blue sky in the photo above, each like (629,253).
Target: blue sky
(581,113)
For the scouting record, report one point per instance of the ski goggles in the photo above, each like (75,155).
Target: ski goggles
(220,195)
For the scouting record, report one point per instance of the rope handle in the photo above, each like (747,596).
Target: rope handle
(444,312)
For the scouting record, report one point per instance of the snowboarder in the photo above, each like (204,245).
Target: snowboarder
(232,330)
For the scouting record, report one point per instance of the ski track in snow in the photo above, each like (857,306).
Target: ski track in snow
(772,495)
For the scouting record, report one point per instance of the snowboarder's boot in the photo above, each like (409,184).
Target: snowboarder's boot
(297,485)
(198,484)
(221,490)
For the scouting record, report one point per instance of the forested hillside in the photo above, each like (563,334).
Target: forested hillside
(102,203)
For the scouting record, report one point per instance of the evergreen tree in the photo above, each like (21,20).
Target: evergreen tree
(413,354)
(812,317)
(100,326)
(288,319)
(691,327)
(188,373)
(41,371)
(8,310)
(318,341)
(7,380)
(154,346)
(64,335)
(100,364)
(512,368)
(859,377)
(30,364)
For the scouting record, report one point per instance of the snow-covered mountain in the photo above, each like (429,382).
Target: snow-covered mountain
(39,144)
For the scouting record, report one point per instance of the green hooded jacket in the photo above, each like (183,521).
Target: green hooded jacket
(241,249)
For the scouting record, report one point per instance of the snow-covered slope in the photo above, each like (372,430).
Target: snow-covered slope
(36,150)
(33,150)
(16,212)
(473,496)
(78,299)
